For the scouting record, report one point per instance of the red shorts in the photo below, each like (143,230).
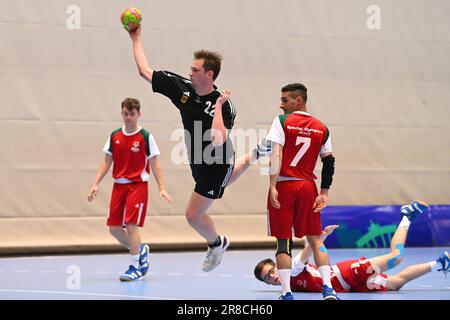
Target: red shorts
(296,213)
(361,276)
(128,204)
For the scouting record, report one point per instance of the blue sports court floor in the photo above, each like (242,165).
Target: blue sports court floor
(178,275)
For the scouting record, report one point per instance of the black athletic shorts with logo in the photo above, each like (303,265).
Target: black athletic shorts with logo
(211,180)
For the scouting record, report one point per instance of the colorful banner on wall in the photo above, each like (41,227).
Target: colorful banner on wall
(374,226)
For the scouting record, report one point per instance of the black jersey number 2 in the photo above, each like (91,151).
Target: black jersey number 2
(210,109)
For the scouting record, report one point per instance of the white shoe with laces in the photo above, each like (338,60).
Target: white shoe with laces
(214,255)
(263,149)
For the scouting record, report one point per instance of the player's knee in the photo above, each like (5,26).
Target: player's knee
(394,261)
(192,218)
(284,246)
(315,242)
(132,229)
(394,283)
(115,230)
(398,260)
(396,256)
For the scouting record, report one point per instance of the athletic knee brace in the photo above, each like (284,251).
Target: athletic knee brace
(284,246)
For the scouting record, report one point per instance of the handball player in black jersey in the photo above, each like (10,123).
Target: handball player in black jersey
(208,117)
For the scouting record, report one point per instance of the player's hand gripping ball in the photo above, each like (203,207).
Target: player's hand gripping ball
(131,18)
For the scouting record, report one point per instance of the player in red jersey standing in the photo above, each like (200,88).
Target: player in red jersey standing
(294,205)
(133,151)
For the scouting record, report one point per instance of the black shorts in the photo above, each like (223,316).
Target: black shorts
(211,180)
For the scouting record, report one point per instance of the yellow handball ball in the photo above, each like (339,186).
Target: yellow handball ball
(131,18)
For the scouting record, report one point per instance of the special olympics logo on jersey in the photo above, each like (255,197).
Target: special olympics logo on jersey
(135,147)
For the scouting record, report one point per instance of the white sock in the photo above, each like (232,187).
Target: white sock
(405,223)
(434,266)
(325,272)
(285,279)
(135,260)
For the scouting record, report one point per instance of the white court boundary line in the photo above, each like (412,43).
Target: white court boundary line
(89,294)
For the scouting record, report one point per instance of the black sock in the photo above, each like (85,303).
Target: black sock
(216,243)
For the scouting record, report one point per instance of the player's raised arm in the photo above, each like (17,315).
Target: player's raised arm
(139,55)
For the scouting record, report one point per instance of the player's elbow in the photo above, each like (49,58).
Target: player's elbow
(146,74)
(218,137)
(216,141)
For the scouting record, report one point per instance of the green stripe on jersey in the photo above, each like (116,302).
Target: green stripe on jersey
(282,118)
(115,131)
(111,138)
(146,135)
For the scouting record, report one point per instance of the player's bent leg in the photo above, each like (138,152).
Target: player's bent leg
(263,149)
(196,216)
(400,234)
(241,165)
(409,212)
(204,225)
(387,261)
(395,257)
(121,235)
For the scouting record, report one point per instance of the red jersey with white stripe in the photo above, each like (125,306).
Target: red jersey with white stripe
(130,153)
(303,138)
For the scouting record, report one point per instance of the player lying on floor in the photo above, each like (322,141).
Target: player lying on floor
(361,275)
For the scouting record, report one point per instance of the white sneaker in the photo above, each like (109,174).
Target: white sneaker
(214,255)
(264,149)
